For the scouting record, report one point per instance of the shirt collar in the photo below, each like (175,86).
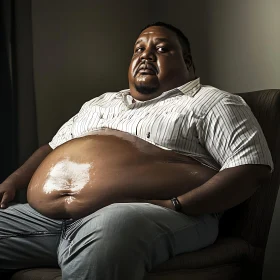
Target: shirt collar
(190,89)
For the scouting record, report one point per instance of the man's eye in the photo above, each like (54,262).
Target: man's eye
(138,50)
(162,49)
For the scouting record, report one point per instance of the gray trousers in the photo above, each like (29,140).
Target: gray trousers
(120,241)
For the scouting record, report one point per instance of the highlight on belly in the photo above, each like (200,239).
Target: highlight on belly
(67,175)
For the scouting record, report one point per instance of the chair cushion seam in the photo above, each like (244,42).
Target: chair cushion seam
(30,234)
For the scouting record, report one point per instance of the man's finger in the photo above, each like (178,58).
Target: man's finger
(5,200)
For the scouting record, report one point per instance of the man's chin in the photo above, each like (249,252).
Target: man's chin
(144,89)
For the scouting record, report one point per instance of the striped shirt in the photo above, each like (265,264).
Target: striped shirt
(212,126)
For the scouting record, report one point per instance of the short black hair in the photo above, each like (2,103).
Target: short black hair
(184,41)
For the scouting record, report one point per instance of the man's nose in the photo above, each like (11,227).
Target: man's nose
(148,54)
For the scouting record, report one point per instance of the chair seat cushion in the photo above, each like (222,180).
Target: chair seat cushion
(223,251)
(225,258)
(38,274)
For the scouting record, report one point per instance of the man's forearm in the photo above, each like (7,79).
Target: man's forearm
(225,190)
(21,177)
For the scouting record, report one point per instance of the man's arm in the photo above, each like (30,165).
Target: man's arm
(224,190)
(233,137)
(21,177)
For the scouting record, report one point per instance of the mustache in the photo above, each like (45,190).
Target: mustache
(145,65)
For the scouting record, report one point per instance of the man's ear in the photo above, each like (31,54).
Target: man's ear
(188,60)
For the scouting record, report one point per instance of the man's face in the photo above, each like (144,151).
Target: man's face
(157,64)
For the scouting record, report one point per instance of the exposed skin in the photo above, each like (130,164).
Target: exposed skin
(120,167)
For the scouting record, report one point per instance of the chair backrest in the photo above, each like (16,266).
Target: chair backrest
(251,219)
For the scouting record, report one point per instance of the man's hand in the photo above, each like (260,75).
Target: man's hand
(7,194)
(21,177)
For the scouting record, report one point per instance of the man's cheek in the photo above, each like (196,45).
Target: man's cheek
(132,67)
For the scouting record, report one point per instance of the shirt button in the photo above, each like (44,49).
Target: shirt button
(148,135)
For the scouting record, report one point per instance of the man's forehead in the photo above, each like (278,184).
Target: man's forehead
(157,32)
(149,32)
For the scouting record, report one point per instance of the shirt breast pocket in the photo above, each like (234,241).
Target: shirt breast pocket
(164,129)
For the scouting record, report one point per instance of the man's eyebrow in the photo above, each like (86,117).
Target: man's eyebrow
(157,40)
(138,41)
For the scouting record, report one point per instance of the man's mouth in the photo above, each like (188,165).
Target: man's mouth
(147,69)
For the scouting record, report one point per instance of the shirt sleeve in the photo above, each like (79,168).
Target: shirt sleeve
(232,135)
(64,134)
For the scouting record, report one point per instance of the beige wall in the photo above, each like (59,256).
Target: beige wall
(244,47)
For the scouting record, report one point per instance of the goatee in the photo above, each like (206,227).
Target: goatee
(145,89)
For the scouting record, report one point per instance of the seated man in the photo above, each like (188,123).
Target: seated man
(137,176)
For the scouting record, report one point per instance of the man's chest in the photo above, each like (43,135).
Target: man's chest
(162,125)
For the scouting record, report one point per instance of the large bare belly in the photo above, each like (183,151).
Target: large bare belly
(88,173)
